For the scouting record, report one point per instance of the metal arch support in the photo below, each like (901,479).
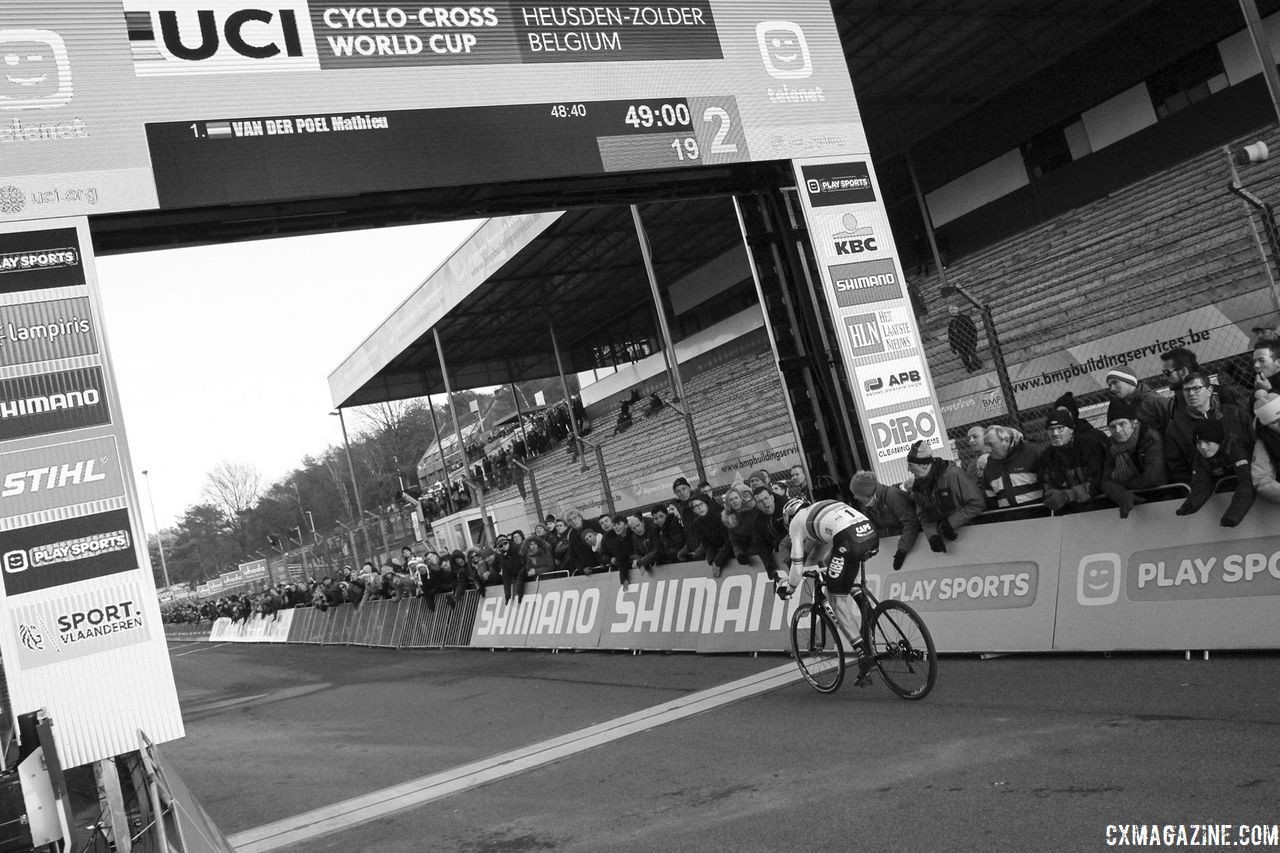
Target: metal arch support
(668,346)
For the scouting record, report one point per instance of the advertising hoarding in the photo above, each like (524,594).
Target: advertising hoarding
(80,631)
(865,290)
(183,103)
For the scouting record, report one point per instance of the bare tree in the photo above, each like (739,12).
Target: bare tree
(234,489)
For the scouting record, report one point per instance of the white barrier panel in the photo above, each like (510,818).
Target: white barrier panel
(256,629)
(994,590)
(1161,581)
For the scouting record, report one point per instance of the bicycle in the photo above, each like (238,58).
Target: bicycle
(892,638)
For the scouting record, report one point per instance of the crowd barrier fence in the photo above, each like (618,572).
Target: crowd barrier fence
(1087,581)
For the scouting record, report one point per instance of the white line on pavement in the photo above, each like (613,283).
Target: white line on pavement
(193,651)
(416,792)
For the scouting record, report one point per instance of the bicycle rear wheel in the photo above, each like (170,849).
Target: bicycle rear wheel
(903,650)
(818,649)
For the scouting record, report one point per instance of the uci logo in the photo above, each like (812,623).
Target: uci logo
(905,429)
(220,37)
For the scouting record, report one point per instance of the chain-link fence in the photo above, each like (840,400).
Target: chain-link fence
(1173,272)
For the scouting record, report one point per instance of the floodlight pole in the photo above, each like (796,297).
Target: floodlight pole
(351,469)
(668,347)
(462,448)
(151,499)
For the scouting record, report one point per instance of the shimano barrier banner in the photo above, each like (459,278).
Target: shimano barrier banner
(112,106)
(865,290)
(676,607)
(1180,582)
(256,629)
(79,616)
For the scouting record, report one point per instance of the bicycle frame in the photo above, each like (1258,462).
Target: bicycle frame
(867,602)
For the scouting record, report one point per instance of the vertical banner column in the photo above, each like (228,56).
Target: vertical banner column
(866,293)
(80,630)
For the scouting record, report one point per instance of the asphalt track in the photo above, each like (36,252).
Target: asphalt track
(1014,753)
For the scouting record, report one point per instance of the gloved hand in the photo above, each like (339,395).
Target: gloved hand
(1228,522)
(1055,499)
(937,545)
(898,559)
(782,590)
(743,559)
(1185,509)
(945,528)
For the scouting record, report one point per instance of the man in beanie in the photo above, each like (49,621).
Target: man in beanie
(1151,409)
(758,479)
(889,509)
(1135,456)
(1265,469)
(946,498)
(1071,467)
(1219,454)
(1085,432)
(1200,402)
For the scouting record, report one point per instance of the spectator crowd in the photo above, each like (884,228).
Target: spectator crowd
(1209,435)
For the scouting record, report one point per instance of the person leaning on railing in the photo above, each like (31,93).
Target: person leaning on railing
(1135,456)
(1011,472)
(1265,466)
(889,509)
(1219,454)
(946,498)
(1200,402)
(1071,467)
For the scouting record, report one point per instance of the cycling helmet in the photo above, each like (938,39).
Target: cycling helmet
(792,507)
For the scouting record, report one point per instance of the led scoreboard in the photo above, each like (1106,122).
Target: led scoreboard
(117,105)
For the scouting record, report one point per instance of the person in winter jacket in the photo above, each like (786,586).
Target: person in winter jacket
(617,549)
(1220,454)
(1135,456)
(770,531)
(707,528)
(1071,467)
(946,498)
(645,544)
(1201,402)
(1151,409)
(580,557)
(1011,475)
(1265,467)
(670,535)
(890,509)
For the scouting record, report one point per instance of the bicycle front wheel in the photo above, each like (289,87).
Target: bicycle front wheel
(903,650)
(819,652)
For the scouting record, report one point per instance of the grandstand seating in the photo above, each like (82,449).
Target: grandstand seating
(1112,264)
(735,397)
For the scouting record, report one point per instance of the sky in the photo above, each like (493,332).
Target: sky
(223,353)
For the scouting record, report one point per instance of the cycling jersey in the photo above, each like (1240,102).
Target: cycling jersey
(821,522)
(851,535)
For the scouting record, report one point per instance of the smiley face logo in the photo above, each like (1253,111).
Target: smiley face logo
(1098,580)
(35,72)
(784,50)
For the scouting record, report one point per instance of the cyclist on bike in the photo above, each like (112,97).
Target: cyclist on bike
(853,540)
